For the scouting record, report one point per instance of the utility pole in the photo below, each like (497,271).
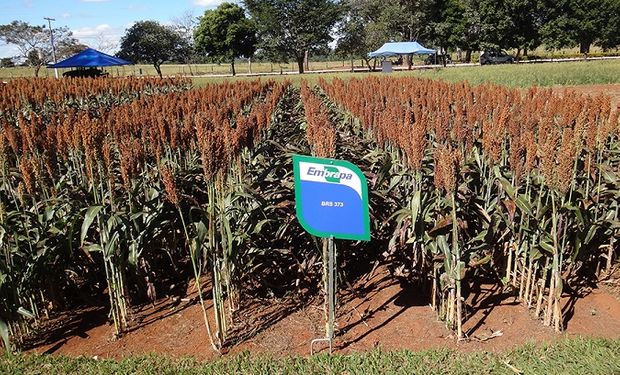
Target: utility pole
(49,22)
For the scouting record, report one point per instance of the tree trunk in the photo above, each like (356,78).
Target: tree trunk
(158,69)
(368,64)
(306,62)
(584,47)
(36,70)
(468,56)
(232,67)
(300,63)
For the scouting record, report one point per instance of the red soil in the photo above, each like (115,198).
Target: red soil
(378,312)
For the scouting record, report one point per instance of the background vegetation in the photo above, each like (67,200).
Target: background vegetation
(354,27)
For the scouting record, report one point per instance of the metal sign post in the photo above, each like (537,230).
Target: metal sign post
(331,201)
(330,297)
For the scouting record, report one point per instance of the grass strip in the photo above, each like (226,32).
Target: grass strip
(566,356)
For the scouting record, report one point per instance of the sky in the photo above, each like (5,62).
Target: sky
(97,23)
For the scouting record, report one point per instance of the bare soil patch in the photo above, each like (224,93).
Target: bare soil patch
(378,312)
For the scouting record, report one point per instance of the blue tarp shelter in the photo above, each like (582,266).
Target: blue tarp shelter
(401,48)
(89,58)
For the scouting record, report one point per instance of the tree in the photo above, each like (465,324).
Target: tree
(527,19)
(496,25)
(33,43)
(352,39)
(568,23)
(610,37)
(149,41)
(226,33)
(418,15)
(366,25)
(104,43)
(291,28)
(450,25)
(470,38)
(185,25)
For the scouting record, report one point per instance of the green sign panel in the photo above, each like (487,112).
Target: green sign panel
(331,198)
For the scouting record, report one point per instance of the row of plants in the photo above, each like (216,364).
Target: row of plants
(519,187)
(466,183)
(114,203)
(24,99)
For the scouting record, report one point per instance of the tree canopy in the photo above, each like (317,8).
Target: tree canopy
(149,41)
(33,43)
(281,30)
(226,33)
(470,25)
(291,28)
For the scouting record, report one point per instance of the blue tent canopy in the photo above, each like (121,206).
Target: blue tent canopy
(401,48)
(89,58)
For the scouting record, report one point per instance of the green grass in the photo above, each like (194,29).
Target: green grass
(566,356)
(517,75)
(544,74)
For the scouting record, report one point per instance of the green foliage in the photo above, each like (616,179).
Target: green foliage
(525,75)
(352,40)
(33,42)
(226,33)
(581,22)
(289,29)
(149,41)
(609,36)
(487,24)
(450,25)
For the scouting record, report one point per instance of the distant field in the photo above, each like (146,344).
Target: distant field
(516,75)
(540,74)
(176,69)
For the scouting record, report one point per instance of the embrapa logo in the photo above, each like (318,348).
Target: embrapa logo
(331,174)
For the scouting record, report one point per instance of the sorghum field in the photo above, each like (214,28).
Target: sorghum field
(120,196)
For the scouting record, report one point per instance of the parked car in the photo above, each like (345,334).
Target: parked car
(495,57)
(85,72)
(437,59)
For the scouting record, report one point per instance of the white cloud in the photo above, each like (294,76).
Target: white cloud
(87,32)
(207,3)
(8,50)
(66,15)
(102,37)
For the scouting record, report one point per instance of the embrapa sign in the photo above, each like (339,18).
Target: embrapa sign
(331,198)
